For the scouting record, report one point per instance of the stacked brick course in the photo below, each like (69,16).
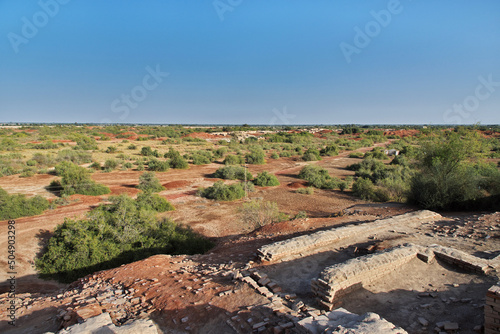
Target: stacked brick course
(492,311)
(338,280)
(291,248)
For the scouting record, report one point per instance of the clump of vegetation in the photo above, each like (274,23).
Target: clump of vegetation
(256,156)
(318,177)
(223,192)
(311,154)
(265,179)
(176,160)
(258,213)
(77,157)
(233,173)
(147,151)
(376,153)
(76,180)
(15,206)
(233,159)
(330,150)
(158,165)
(356,155)
(305,191)
(202,157)
(121,232)
(148,182)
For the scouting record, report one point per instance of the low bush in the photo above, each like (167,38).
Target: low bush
(148,152)
(305,191)
(256,156)
(265,179)
(330,150)
(233,159)
(233,173)
(15,206)
(311,154)
(356,155)
(148,182)
(318,177)
(153,202)
(76,180)
(176,160)
(222,192)
(158,165)
(202,157)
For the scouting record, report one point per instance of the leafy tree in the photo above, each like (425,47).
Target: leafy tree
(113,234)
(148,182)
(330,150)
(265,179)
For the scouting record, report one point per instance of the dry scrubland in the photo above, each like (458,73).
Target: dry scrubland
(320,208)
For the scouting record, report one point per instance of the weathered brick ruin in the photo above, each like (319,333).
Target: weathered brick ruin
(294,247)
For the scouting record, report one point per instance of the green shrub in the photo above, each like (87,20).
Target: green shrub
(220,152)
(140,168)
(148,152)
(305,191)
(158,166)
(114,234)
(110,164)
(364,188)
(15,206)
(176,160)
(148,182)
(330,150)
(233,173)
(256,156)
(222,192)
(356,155)
(111,149)
(128,165)
(77,157)
(285,154)
(46,145)
(233,159)
(265,179)
(318,177)
(274,155)
(202,157)
(153,202)
(28,172)
(95,165)
(76,180)
(132,147)
(311,154)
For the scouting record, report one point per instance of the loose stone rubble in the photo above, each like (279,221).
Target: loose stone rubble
(102,324)
(344,322)
(291,248)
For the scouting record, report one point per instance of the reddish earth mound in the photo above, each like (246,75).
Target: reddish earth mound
(176,184)
(296,185)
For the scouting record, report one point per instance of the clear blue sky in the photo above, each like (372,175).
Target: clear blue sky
(250,61)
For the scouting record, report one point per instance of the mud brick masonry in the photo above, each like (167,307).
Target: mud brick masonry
(293,247)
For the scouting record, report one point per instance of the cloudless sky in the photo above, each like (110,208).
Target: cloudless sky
(250,61)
